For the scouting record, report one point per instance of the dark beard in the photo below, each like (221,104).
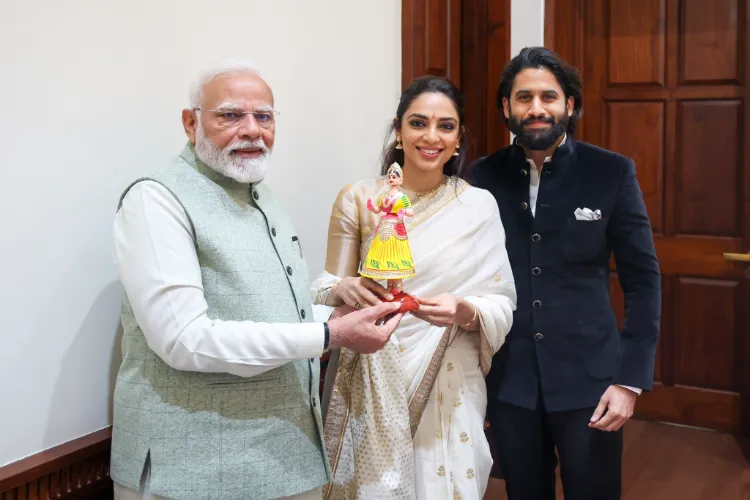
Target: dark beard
(542,139)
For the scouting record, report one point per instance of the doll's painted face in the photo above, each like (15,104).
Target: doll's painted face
(394,179)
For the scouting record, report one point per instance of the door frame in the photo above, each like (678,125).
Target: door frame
(565,33)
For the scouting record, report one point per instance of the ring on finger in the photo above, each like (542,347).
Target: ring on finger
(356,305)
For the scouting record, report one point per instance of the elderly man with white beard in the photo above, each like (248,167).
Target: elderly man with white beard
(217,394)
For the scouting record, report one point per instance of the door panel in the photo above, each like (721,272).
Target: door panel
(635,51)
(430,39)
(639,127)
(707,192)
(485,50)
(710,47)
(664,84)
(707,311)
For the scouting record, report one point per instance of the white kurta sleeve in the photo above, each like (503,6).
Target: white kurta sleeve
(155,254)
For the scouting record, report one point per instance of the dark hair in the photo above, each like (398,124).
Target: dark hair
(429,83)
(567,77)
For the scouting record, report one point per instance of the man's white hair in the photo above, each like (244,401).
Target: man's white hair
(232,66)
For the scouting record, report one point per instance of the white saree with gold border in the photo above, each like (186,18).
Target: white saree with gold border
(408,421)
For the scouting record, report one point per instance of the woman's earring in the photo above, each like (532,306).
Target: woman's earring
(455,153)
(398,143)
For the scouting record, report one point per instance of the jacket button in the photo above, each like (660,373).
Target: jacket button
(302,314)
(273,231)
(524,171)
(256,195)
(314,403)
(537,304)
(525,205)
(535,237)
(289,270)
(538,337)
(536,271)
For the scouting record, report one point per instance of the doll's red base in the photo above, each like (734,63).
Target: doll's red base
(408,303)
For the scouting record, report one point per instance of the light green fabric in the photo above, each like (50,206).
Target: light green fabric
(219,436)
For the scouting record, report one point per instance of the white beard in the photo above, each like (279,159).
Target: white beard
(243,170)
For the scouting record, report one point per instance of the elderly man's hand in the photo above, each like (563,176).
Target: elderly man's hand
(362,330)
(341,311)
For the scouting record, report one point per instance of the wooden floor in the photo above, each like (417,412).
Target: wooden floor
(665,462)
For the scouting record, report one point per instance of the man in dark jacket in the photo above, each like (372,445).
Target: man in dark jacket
(566,378)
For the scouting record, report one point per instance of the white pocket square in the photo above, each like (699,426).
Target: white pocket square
(587,214)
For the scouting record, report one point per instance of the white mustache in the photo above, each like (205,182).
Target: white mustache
(259,144)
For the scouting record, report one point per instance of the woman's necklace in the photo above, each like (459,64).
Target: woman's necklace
(417,195)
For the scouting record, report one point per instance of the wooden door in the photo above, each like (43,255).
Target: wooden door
(467,41)
(666,83)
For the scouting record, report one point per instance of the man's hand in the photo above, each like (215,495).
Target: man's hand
(618,402)
(341,311)
(361,330)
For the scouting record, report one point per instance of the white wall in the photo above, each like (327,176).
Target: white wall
(526,24)
(91,97)
(526,27)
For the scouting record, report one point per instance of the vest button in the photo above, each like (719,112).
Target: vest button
(536,271)
(525,205)
(256,195)
(314,403)
(537,304)
(524,171)
(538,337)
(289,270)
(273,231)
(302,314)
(536,238)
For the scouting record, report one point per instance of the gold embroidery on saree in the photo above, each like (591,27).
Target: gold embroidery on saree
(338,411)
(418,401)
(439,196)
(486,352)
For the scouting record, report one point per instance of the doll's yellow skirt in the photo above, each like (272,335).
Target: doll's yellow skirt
(389,256)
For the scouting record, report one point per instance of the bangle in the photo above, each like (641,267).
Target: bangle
(326,336)
(466,325)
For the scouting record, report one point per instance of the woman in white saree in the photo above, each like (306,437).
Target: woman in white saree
(408,421)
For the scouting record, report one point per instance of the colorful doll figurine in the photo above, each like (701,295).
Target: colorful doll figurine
(389,256)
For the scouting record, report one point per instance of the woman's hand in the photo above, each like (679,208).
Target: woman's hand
(445,310)
(359,292)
